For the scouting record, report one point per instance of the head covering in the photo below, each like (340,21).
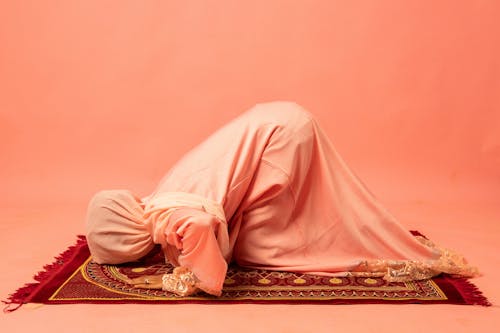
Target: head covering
(116,229)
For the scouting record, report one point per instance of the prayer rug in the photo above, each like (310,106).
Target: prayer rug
(74,278)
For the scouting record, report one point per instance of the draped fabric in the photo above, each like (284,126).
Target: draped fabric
(121,228)
(268,190)
(116,231)
(291,201)
(193,233)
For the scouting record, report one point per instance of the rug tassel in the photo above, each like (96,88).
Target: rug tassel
(471,293)
(21,295)
(8,309)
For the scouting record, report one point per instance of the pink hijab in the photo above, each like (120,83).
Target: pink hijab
(116,228)
(122,228)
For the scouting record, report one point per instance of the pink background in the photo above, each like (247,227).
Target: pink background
(109,94)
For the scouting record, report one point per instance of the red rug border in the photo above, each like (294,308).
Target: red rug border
(51,277)
(458,290)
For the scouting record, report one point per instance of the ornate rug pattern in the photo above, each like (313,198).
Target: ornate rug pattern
(74,278)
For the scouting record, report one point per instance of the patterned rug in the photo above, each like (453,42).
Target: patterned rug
(74,278)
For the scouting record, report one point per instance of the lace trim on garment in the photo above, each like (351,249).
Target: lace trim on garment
(181,282)
(449,262)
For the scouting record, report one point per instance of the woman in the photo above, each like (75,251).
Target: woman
(269,191)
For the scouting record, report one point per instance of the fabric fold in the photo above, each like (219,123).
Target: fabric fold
(159,207)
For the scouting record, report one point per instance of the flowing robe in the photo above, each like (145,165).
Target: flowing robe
(290,201)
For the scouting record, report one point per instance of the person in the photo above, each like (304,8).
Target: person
(267,191)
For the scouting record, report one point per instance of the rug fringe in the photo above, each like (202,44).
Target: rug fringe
(21,295)
(470,293)
(417,233)
(26,294)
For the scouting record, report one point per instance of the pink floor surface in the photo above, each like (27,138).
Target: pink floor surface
(472,228)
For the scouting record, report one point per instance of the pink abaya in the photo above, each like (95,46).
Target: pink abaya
(289,200)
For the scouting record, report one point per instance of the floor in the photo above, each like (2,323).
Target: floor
(29,242)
